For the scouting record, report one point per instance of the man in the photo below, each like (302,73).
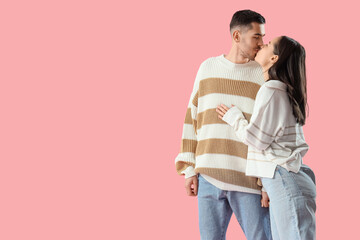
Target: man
(212,158)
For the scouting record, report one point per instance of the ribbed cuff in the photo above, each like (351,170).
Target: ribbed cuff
(232,115)
(189,172)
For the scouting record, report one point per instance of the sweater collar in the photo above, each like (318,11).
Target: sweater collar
(233,65)
(276,84)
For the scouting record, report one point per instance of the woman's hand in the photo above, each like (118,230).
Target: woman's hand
(265,199)
(222,109)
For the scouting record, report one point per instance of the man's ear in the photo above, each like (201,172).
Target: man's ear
(236,36)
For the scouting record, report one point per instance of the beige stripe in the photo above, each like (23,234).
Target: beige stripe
(247,116)
(230,176)
(222,146)
(210,116)
(272,135)
(195,126)
(288,138)
(188,118)
(293,147)
(290,131)
(286,141)
(258,138)
(188,145)
(262,130)
(289,134)
(181,166)
(283,149)
(263,153)
(228,86)
(195,99)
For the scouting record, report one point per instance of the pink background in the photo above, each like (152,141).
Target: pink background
(94,93)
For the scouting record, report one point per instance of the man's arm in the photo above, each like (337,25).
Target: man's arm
(185,161)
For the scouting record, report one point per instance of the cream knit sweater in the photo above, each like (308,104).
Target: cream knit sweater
(209,145)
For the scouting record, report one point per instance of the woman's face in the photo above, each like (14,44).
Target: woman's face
(266,57)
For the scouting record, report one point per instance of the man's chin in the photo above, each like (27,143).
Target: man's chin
(255,59)
(252,58)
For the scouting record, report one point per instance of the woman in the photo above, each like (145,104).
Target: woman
(276,142)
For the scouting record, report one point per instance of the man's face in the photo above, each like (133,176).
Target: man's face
(252,40)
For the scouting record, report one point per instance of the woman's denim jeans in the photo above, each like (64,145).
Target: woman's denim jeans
(292,204)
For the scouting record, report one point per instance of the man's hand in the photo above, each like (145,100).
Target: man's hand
(191,186)
(265,199)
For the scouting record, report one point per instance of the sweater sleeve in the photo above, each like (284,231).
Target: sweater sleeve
(185,160)
(264,123)
(235,118)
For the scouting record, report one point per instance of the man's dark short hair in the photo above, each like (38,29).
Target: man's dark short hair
(244,18)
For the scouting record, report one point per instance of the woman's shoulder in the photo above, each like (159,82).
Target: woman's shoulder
(266,90)
(272,91)
(275,85)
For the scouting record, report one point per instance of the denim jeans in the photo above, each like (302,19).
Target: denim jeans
(292,204)
(216,207)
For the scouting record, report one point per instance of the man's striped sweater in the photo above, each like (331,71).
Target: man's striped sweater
(209,145)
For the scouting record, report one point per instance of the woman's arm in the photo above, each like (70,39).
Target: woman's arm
(265,123)
(235,118)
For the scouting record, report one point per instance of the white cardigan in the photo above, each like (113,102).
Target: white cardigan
(273,136)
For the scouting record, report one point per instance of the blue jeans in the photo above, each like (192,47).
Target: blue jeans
(292,204)
(216,207)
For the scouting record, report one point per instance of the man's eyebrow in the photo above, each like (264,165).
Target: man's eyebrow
(259,34)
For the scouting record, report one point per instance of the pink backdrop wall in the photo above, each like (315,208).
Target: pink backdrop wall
(93,95)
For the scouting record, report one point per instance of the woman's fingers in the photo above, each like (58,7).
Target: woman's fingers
(221,114)
(225,107)
(221,110)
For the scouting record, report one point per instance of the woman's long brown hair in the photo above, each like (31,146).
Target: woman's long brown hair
(290,69)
